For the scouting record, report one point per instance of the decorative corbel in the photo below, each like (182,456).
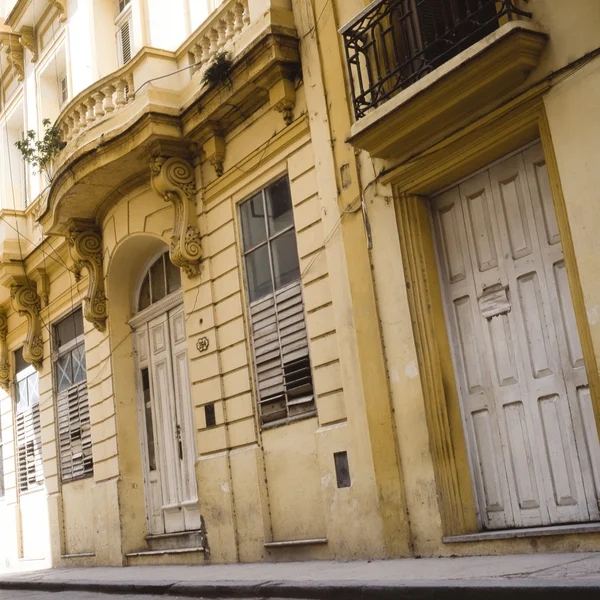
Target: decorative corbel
(85,247)
(173,179)
(27,40)
(61,7)
(4,364)
(14,54)
(27,303)
(214,151)
(282,97)
(43,285)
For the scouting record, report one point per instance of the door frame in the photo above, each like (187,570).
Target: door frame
(505,130)
(163,306)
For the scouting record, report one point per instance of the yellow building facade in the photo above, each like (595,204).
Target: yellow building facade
(308,280)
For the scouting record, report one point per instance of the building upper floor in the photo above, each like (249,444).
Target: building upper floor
(77,65)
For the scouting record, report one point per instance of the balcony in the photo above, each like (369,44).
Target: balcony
(159,98)
(417,68)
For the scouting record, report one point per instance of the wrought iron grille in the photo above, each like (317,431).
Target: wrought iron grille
(393,43)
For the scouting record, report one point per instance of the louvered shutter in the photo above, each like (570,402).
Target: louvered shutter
(29,448)
(282,360)
(124,42)
(74,432)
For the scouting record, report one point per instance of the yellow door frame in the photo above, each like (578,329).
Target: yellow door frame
(508,128)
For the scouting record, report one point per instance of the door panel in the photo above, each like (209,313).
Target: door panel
(185,422)
(533,447)
(171,490)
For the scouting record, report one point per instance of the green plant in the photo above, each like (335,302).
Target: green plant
(219,70)
(40,153)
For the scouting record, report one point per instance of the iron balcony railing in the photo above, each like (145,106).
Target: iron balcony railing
(393,43)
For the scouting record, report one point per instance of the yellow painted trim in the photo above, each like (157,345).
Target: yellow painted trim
(456,502)
(505,130)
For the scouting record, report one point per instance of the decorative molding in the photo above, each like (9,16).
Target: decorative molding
(43,282)
(26,302)
(14,54)
(155,310)
(85,247)
(4,364)
(27,40)
(174,180)
(214,152)
(282,97)
(202,344)
(61,7)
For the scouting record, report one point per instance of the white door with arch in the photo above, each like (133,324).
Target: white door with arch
(525,400)
(164,400)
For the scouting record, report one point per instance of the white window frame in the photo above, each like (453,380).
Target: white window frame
(124,18)
(27,419)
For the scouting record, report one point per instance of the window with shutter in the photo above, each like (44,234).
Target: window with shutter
(279,337)
(63,90)
(124,41)
(70,381)
(30,473)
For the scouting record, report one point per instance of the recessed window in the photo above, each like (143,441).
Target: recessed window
(124,27)
(70,385)
(280,341)
(163,278)
(27,421)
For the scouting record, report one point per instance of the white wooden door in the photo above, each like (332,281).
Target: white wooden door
(167,425)
(528,418)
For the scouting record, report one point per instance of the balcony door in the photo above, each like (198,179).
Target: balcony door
(164,402)
(526,406)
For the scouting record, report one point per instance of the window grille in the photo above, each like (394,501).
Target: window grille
(279,336)
(70,380)
(30,473)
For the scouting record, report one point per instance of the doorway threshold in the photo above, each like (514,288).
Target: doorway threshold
(504,534)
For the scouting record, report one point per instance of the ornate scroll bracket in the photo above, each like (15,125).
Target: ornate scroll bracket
(26,302)
(14,54)
(85,247)
(4,364)
(27,40)
(173,179)
(61,7)
(282,97)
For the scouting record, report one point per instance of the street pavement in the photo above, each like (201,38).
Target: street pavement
(531,576)
(12,595)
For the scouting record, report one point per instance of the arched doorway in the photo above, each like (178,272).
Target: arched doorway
(164,399)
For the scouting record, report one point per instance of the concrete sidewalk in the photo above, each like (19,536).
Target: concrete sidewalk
(526,576)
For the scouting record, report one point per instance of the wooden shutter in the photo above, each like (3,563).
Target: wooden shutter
(29,448)
(282,360)
(124,42)
(74,432)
